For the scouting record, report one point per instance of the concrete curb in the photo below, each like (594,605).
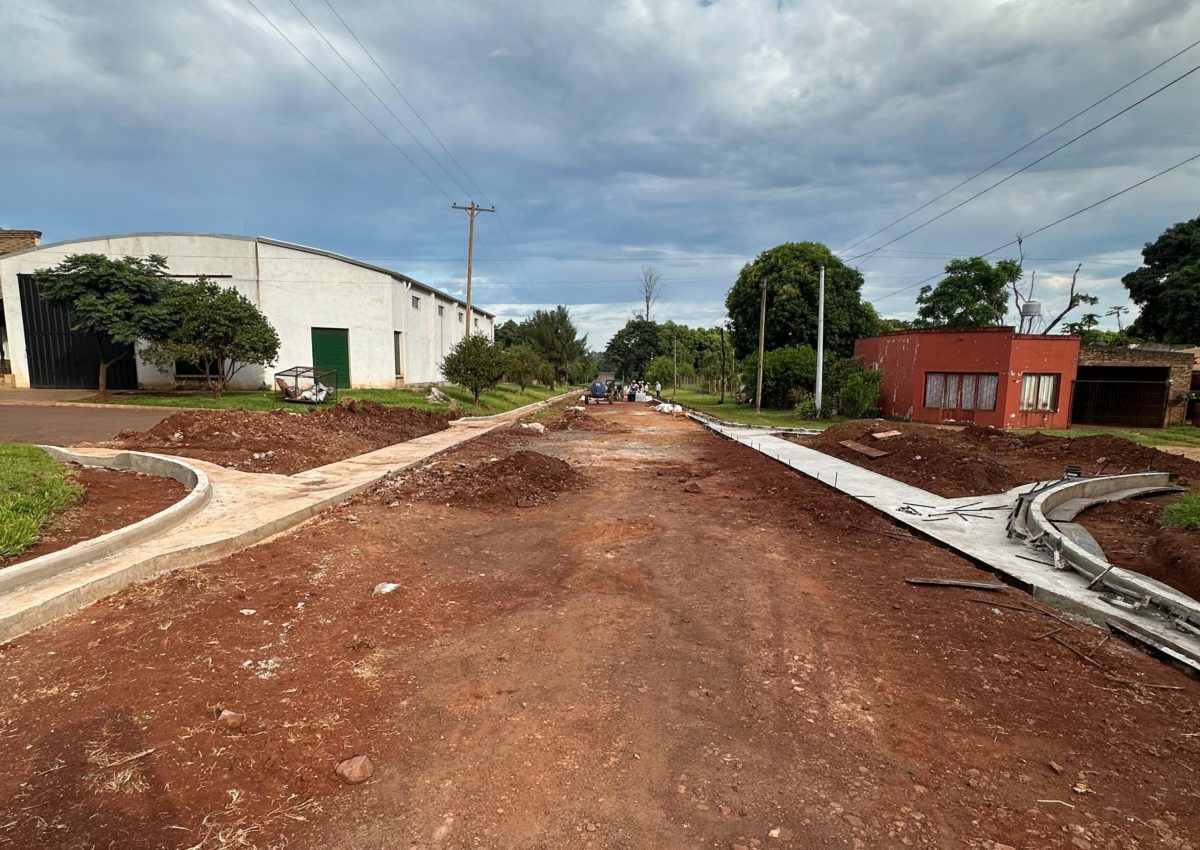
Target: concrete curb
(86,551)
(1125,582)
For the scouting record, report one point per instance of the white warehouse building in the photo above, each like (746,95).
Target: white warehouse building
(375,326)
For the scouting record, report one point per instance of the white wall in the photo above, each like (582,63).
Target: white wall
(297,290)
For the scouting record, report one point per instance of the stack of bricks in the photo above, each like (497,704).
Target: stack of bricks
(18,240)
(1180,363)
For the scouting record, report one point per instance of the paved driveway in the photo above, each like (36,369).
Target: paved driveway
(63,426)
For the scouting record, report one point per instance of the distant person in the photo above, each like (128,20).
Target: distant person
(658,388)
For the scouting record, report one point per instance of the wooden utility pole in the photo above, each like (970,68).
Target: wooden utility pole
(722,401)
(762,338)
(472,211)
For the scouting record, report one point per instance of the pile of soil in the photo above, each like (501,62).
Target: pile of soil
(521,479)
(111,499)
(283,441)
(1129,533)
(577,419)
(976,461)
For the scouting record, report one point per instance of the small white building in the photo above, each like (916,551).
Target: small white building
(377,327)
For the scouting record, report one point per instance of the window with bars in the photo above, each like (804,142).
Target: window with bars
(1039,391)
(961,390)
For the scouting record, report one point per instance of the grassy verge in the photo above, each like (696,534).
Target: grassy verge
(496,400)
(1183,514)
(1176,435)
(33,487)
(744,413)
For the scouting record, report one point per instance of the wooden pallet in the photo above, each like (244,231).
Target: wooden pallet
(861,449)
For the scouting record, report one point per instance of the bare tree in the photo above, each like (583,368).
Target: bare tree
(650,286)
(1073,300)
(1118,311)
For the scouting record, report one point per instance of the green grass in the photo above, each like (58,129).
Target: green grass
(496,400)
(1183,514)
(33,487)
(744,414)
(1176,435)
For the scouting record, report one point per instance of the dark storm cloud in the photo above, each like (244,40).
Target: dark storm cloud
(607,130)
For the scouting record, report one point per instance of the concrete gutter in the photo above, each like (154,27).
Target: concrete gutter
(987,543)
(54,563)
(1033,516)
(244,508)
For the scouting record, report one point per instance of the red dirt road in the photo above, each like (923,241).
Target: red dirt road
(682,645)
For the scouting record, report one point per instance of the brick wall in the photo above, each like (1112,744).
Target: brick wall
(1180,363)
(18,240)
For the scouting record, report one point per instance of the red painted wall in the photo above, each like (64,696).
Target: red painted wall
(906,356)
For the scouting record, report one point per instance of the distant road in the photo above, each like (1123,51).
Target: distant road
(63,426)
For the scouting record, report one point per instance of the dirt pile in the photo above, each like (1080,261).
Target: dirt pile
(1129,533)
(577,419)
(284,441)
(976,461)
(521,479)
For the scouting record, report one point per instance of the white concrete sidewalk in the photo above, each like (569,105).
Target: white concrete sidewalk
(245,508)
(983,540)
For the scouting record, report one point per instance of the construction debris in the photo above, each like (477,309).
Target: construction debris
(861,449)
(884,435)
(953,582)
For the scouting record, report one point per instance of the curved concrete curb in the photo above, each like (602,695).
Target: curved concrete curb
(1098,569)
(49,565)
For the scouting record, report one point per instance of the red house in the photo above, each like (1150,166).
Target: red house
(989,376)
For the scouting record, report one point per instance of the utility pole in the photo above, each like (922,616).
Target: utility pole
(762,338)
(675,354)
(472,211)
(820,340)
(722,401)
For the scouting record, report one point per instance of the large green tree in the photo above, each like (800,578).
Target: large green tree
(632,348)
(790,273)
(118,301)
(218,329)
(1167,286)
(523,366)
(553,335)
(973,294)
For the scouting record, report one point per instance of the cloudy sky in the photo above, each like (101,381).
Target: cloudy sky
(684,134)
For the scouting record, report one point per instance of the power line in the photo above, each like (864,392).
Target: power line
(1026,167)
(1018,150)
(1046,227)
(430,130)
(346,98)
(374,94)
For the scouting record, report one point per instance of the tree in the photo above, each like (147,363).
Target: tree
(219,330)
(118,301)
(554,336)
(856,388)
(790,273)
(1167,286)
(523,366)
(973,294)
(786,371)
(509,334)
(649,286)
(663,370)
(1074,299)
(475,363)
(632,348)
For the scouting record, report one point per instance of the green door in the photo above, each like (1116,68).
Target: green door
(331,350)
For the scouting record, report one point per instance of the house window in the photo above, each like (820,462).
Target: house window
(460,317)
(441,309)
(416,303)
(961,390)
(188,369)
(1039,392)
(398,344)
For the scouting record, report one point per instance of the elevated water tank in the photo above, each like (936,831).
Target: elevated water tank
(1031,309)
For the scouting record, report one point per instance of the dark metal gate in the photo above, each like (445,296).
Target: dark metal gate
(60,358)
(1133,404)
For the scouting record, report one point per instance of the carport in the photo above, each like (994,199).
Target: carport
(1129,396)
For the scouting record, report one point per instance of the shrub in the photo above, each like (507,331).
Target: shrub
(475,364)
(523,366)
(785,371)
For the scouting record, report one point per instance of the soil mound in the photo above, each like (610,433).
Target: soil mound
(577,419)
(975,461)
(521,479)
(284,441)
(1129,533)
